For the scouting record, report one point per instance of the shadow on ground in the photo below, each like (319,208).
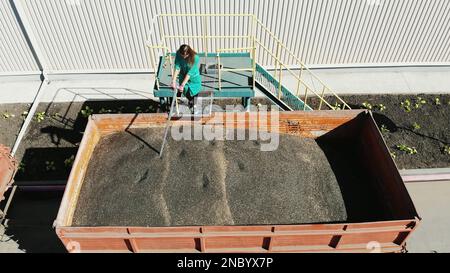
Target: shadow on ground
(47,153)
(50,146)
(30,220)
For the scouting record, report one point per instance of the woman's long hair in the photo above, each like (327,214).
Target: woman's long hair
(185,49)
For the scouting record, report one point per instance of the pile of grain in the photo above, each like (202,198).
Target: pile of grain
(206,183)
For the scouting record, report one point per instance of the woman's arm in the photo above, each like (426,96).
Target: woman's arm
(176,72)
(174,77)
(186,79)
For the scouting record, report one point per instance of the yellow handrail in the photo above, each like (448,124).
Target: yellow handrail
(233,49)
(299,62)
(152,59)
(293,74)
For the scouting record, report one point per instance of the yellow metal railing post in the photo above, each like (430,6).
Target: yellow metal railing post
(167,55)
(254,64)
(299,80)
(306,98)
(161,31)
(152,60)
(278,66)
(252,36)
(170,58)
(279,81)
(164,45)
(219,71)
(205,37)
(276,60)
(321,98)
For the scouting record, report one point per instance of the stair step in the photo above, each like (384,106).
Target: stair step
(287,101)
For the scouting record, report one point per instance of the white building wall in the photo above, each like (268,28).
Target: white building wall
(15,54)
(110,35)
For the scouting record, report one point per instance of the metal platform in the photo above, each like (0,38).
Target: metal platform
(234,84)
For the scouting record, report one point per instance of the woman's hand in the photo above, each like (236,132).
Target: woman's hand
(174,85)
(181,87)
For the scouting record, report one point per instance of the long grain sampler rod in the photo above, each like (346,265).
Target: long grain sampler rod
(168,122)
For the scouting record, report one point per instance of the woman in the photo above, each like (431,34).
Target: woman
(187,71)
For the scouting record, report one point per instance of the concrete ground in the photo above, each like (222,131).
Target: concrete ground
(432,203)
(77,88)
(382,80)
(140,86)
(7,244)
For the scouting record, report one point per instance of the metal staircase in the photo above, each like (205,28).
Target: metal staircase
(276,92)
(271,61)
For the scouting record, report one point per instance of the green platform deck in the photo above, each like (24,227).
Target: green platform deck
(235,84)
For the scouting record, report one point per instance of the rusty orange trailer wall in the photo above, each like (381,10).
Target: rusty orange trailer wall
(8,168)
(384,236)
